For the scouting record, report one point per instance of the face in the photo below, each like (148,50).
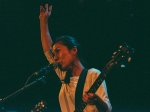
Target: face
(64,56)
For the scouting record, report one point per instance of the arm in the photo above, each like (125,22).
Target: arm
(100,98)
(45,35)
(93,99)
(101,105)
(46,38)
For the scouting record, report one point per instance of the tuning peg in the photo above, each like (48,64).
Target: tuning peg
(120,46)
(123,66)
(114,54)
(129,59)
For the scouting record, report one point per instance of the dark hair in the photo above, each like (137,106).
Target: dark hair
(71,42)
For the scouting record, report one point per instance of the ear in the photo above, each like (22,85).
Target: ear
(74,50)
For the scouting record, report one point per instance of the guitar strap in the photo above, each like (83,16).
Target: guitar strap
(80,86)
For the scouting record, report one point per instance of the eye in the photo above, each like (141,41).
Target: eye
(57,51)
(53,54)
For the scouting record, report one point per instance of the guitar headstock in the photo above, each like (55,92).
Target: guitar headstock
(40,107)
(121,56)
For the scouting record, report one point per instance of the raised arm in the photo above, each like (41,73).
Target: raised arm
(45,35)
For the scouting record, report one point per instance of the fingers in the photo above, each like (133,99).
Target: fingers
(46,7)
(50,8)
(89,98)
(45,12)
(42,9)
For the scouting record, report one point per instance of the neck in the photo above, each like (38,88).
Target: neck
(77,68)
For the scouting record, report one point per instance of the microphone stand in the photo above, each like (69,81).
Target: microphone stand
(41,79)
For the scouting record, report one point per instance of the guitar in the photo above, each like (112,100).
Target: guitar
(40,107)
(123,54)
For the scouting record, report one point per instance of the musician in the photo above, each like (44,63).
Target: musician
(66,52)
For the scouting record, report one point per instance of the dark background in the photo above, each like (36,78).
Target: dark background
(101,26)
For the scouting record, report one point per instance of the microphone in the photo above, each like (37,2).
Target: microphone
(46,69)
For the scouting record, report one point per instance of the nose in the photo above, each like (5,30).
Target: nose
(56,58)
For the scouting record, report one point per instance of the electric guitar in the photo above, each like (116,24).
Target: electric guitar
(123,54)
(40,107)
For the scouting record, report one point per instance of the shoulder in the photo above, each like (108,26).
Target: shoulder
(93,73)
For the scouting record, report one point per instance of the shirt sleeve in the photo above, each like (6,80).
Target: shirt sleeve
(102,90)
(49,57)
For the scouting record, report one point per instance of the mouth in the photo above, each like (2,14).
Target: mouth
(59,65)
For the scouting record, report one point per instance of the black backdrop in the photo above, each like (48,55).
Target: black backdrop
(100,26)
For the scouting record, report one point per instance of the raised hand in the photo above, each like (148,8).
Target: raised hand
(45,12)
